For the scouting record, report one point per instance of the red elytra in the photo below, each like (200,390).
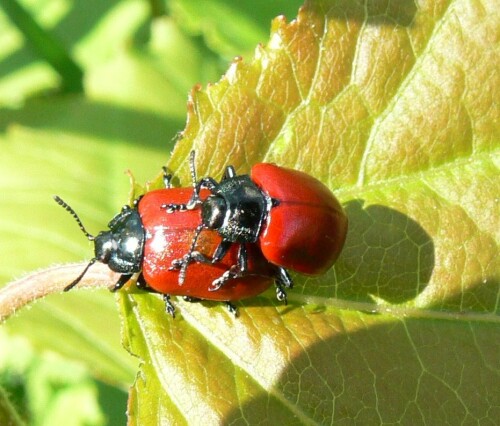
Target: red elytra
(306,230)
(169,236)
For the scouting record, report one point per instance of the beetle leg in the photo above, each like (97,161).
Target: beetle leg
(181,266)
(228,173)
(188,258)
(191,299)
(230,274)
(171,208)
(207,183)
(169,307)
(135,203)
(199,257)
(231,308)
(195,199)
(234,271)
(243,258)
(143,285)
(167,178)
(121,282)
(283,277)
(182,263)
(221,251)
(196,256)
(280,293)
(282,280)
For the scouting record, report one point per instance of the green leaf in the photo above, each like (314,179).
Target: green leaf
(90,34)
(46,387)
(8,414)
(393,107)
(46,46)
(230,28)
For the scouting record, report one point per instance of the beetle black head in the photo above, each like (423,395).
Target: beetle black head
(213,211)
(236,209)
(121,248)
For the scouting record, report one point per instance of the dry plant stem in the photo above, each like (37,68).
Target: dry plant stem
(39,284)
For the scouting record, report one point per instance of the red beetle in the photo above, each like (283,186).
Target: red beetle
(306,227)
(167,237)
(295,219)
(144,240)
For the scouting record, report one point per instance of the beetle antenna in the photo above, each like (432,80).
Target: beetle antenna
(63,204)
(78,279)
(192,167)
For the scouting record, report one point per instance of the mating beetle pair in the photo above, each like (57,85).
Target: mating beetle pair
(224,240)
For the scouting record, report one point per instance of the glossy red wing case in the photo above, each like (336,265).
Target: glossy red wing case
(306,231)
(169,237)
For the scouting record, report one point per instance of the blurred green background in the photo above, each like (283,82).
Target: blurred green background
(87,91)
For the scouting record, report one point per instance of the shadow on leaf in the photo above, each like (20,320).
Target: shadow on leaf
(399,372)
(387,255)
(78,115)
(477,296)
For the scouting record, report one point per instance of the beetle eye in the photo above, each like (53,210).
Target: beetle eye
(104,247)
(213,212)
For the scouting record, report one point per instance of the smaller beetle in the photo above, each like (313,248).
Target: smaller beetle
(295,219)
(143,240)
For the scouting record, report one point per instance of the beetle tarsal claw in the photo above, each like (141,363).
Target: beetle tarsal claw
(172,208)
(193,203)
(281,294)
(181,265)
(231,273)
